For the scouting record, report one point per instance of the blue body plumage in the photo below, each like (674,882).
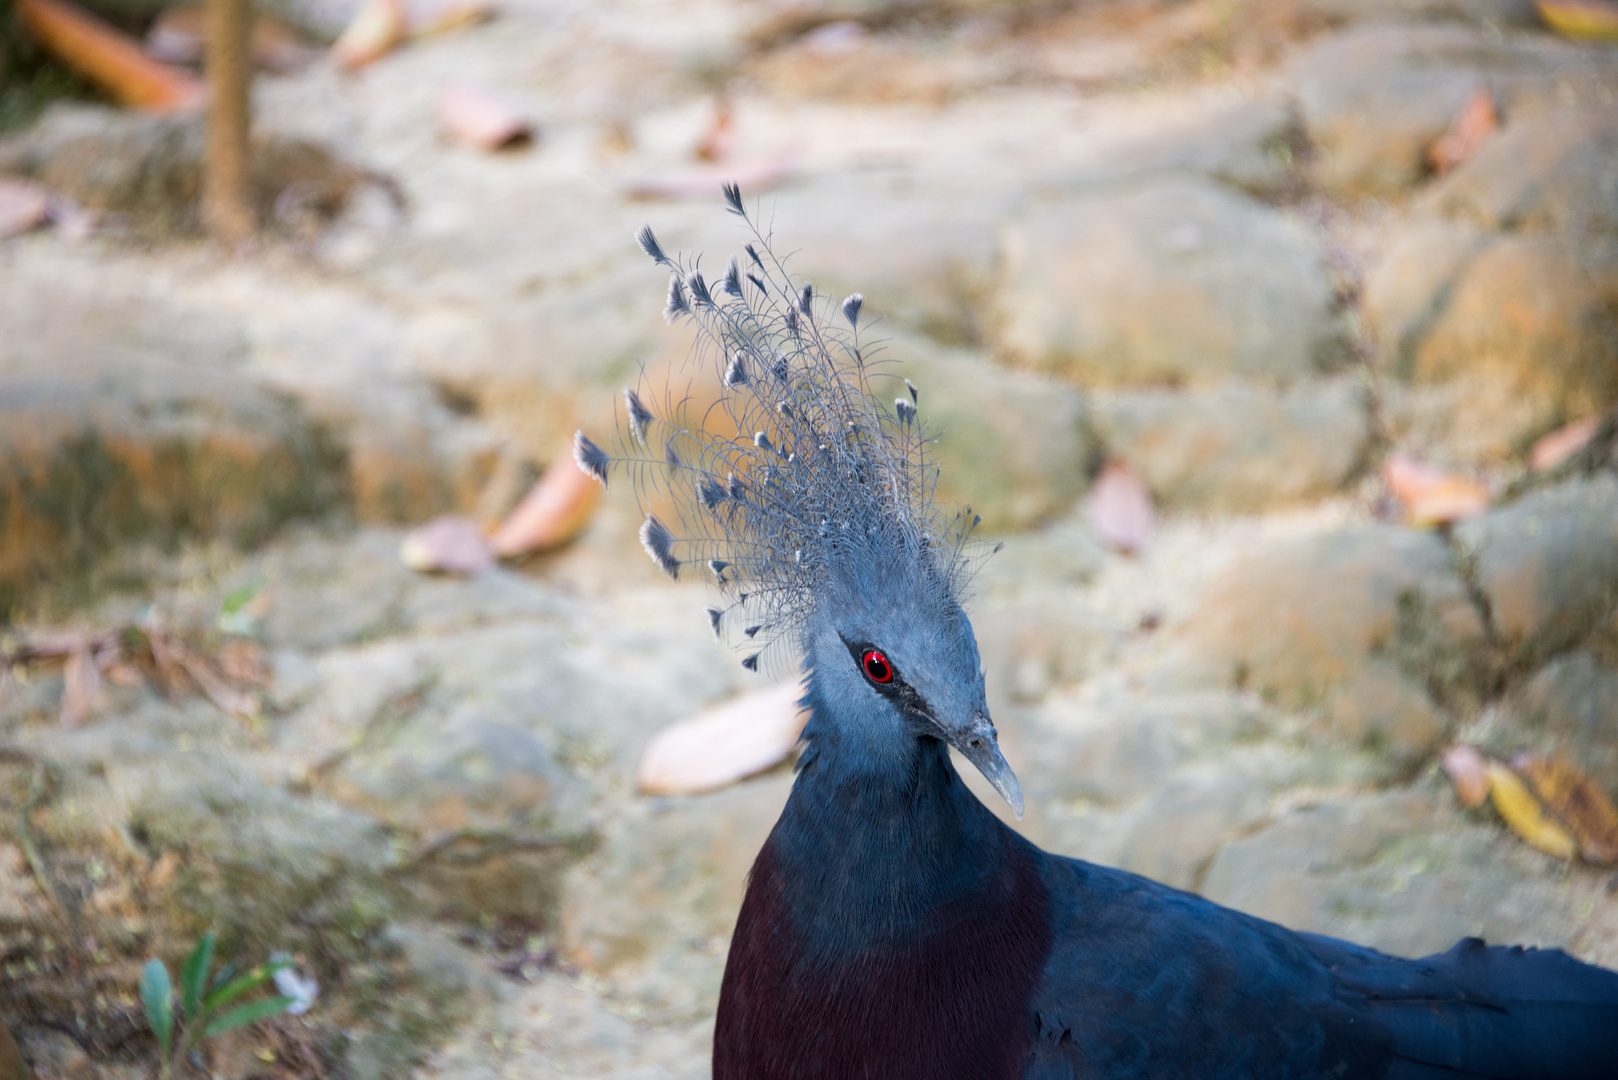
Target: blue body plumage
(893,927)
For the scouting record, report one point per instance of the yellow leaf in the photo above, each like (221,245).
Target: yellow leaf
(1580,18)
(1525,815)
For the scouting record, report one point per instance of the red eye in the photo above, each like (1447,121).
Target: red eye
(877,668)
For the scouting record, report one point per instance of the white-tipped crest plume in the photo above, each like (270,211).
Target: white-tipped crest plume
(808,476)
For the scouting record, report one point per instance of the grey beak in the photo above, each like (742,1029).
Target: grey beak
(980,744)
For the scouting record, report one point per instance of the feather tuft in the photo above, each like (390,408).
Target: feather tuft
(699,289)
(639,416)
(671,457)
(806,301)
(851,309)
(648,243)
(677,304)
(761,439)
(914,400)
(733,199)
(590,457)
(736,370)
(750,662)
(733,279)
(906,411)
(714,616)
(659,544)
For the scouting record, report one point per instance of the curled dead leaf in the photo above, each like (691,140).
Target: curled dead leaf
(553,512)
(1433,497)
(1523,812)
(108,57)
(1468,770)
(1561,444)
(24,205)
(1578,803)
(1473,126)
(81,688)
(724,744)
(377,29)
(482,119)
(1592,19)
(1120,508)
(447,545)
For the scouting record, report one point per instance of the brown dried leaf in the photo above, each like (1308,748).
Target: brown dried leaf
(1578,803)
(1525,815)
(1468,770)
(377,30)
(108,57)
(724,744)
(24,205)
(243,663)
(482,119)
(1473,126)
(1120,508)
(705,183)
(1430,496)
(81,688)
(552,513)
(1591,19)
(1561,444)
(447,545)
(226,698)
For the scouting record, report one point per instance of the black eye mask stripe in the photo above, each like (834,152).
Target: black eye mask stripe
(897,690)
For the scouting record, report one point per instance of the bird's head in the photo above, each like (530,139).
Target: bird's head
(816,518)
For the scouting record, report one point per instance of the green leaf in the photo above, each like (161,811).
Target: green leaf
(157,998)
(194,973)
(250,1013)
(240,985)
(241,596)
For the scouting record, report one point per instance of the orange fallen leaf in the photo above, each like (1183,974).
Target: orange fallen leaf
(24,205)
(553,512)
(704,183)
(1578,803)
(1120,508)
(108,57)
(1468,770)
(1527,818)
(1561,444)
(1433,497)
(1473,126)
(482,119)
(447,545)
(1580,18)
(377,29)
(733,741)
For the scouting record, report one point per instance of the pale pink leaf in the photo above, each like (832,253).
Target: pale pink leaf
(375,31)
(447,545)
(725,744)
(705,183)
(1468,770)
(1561,444)
(1431,496)
(551,514)
(480,118)
(1120,508)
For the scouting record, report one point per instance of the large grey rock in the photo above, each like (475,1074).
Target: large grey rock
(1565,709)
(1554,172)
(1500,337)
(1375,97)
(1344,615)
(1176,281)
(1238,447)
(1013,445)
(1406,873)
(1548,565)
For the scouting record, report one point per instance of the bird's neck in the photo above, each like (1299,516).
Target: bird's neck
(879,850)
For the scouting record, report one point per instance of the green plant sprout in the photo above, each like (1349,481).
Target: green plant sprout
(202,1002)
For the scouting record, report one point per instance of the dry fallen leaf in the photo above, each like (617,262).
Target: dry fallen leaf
(1525,815)
(108,57)
(24,205)
(447,545)
(1430,496)
(706,183)
(724,744)
(81,688)
(1473,126)
(715,143)
(377,29)
(1578,803)
(1468,770)
(482,119)
(1561,444)
(1120,508)
(428,17)
(1580,18)
(552,513)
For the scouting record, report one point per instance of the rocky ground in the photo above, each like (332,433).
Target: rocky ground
(1201,237)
